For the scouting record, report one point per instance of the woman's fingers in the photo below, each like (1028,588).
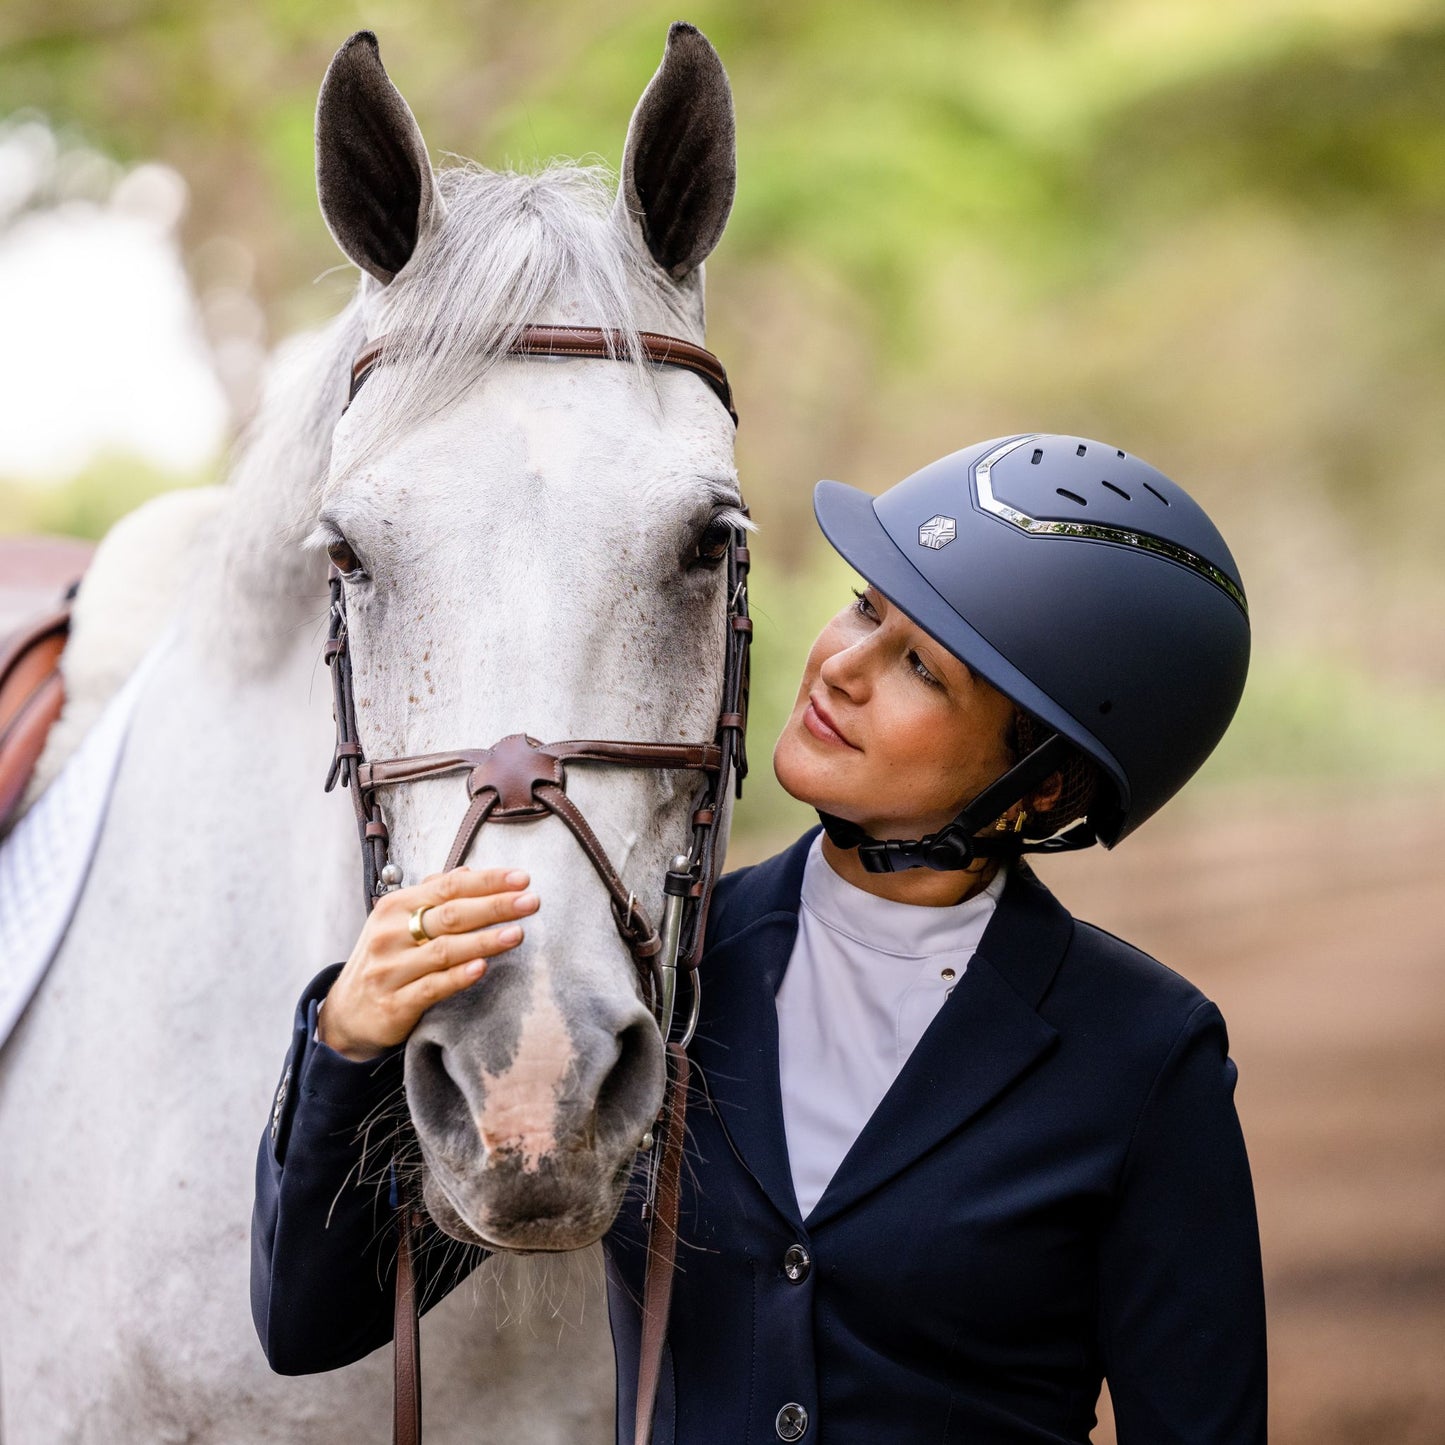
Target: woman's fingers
(467,914)
(447,950)
(376,1000)
(457,883)
(390,980)
(433,987)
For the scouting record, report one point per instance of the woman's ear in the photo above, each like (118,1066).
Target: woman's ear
(1046,796)
(378,194)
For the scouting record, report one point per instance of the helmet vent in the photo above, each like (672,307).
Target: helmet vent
(1082,449)
(1072,496)
(1118,491)
(1121,454)
(1163,499)
(1038,455)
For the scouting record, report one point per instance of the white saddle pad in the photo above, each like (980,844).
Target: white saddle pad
(46,858)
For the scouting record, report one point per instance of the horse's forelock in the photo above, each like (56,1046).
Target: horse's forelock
(515,249)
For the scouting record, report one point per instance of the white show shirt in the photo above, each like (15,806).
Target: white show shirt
(864,980)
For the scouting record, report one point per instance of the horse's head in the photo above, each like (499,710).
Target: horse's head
(532,545)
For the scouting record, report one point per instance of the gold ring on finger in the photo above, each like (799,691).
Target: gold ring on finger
(417,924)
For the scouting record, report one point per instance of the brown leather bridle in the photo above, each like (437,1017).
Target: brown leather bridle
(519,780)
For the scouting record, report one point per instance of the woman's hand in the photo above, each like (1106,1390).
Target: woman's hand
(390,980)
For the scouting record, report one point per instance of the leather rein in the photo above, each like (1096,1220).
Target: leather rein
(519,780)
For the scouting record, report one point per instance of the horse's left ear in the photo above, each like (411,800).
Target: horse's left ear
(679,168)
(373,175)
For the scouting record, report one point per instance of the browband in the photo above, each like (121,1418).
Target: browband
(595,343)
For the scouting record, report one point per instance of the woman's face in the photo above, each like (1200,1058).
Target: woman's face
(890,730)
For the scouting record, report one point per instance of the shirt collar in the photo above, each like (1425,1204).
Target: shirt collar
(901,930)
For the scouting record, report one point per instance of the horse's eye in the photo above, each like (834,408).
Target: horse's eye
(712,546)
(343,558)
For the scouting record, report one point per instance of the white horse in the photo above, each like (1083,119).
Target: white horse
(525,530)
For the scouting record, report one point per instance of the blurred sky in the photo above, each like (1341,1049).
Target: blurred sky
(104,349)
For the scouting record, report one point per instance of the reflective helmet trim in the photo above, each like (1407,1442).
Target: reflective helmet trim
(1095,531)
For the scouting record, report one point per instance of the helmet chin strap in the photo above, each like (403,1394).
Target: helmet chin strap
(954,847)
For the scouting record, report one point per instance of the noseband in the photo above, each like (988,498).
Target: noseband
(521,780)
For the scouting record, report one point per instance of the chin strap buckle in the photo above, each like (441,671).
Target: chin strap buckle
(950,850)
(955,846)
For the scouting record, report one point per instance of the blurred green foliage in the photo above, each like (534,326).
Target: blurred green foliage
(91,502)
(1207,230)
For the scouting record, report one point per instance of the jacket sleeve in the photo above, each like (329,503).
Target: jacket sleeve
(323,1240)
(1182,1325)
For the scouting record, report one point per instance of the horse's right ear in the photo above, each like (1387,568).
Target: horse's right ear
(375,181)
(679,166)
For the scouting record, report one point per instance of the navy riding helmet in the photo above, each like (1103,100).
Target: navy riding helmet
(1084,585)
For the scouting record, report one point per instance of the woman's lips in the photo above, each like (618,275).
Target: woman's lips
(821,726)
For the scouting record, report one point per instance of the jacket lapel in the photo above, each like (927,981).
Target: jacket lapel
(986,1035)
(736,1045)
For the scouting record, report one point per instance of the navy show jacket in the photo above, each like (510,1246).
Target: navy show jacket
(1055,1189)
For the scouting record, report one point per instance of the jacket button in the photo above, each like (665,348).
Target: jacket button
(796,1265)
(792,1422)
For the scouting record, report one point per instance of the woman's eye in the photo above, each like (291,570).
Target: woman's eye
(916,663)
(712,546)
(863,605)
(343,558)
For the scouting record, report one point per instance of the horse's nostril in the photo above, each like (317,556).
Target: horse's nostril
(628,1096)
(433,1096)
(430,1059)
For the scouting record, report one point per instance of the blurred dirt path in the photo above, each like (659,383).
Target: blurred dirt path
(1318,931)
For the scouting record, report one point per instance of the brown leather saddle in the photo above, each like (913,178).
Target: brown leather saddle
(38,580)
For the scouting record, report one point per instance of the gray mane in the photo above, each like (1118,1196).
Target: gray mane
(513,249)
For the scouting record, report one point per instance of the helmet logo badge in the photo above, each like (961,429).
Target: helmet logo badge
(937,532)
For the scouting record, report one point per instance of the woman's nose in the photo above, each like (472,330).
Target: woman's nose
(847,670)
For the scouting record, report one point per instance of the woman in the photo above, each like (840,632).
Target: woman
(961,1156)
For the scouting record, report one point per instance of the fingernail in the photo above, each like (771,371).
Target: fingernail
(510,934)
(526,901)
(477,969)
(517,878)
